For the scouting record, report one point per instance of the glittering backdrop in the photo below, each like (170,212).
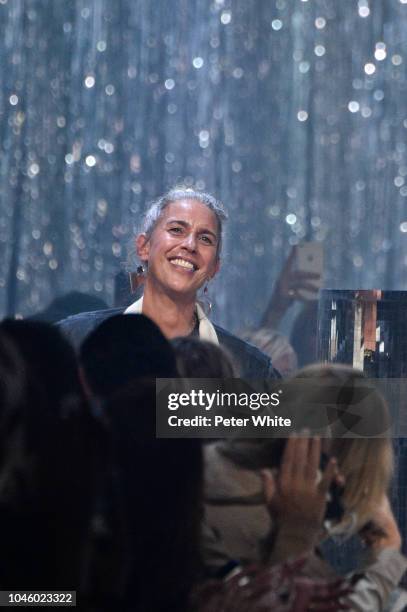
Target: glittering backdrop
(293,112)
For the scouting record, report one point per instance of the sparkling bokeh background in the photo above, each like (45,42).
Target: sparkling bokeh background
(293,112)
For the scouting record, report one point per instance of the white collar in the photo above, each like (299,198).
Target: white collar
(206,329)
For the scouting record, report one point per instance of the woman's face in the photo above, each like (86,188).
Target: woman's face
(182,251)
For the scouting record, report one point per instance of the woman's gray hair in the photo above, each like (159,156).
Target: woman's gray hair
(156,208)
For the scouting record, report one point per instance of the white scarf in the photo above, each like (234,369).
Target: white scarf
(206,329)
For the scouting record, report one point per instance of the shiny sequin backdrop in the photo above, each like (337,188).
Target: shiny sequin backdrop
(293,112)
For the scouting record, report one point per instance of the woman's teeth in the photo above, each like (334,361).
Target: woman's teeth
(183,263)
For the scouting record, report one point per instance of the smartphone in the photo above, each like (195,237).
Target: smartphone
(309,257)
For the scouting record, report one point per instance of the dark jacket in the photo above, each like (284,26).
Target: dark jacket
(251,362)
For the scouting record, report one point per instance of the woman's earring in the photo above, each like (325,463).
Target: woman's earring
(205,300)
(137,278)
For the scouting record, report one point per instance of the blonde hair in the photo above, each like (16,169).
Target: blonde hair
(365,462)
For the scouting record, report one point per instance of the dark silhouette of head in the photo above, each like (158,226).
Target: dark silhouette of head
(69,304)
(159,484)
(13,388)
(201,359)
(123,348)
(50,359)
(49,462)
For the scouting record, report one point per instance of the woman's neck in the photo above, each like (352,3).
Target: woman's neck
(173,317)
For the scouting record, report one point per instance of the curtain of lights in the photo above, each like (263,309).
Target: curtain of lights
(293,112)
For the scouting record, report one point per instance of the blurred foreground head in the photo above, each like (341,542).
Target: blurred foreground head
(124,348)
(49,460)
(159,491)
(49,358)
(69,304)
(202,359)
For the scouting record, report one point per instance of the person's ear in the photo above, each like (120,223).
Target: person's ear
(143,247)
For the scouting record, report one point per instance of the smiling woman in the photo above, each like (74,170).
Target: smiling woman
(181,254)
(179,246)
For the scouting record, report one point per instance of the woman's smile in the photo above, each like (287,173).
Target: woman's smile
(184,264)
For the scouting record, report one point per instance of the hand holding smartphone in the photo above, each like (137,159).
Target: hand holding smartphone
(308,269)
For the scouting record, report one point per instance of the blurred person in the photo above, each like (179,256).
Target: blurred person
(275,345)
(121,349)
(201,359)
(304,334)
(51,452)
(50,360)
(12,379)
(179,248)
(288,520)
(69,304)
(158,486)
(293,285)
